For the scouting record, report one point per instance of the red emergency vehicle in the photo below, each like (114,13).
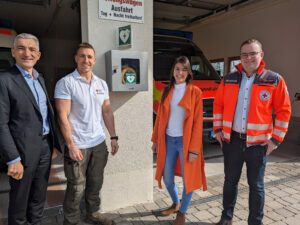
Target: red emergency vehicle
(165,49)
(7,36)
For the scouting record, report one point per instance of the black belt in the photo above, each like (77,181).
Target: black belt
(239,135)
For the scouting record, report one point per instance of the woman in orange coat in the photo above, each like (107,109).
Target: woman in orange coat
(177,138)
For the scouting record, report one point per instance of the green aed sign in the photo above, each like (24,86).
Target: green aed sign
(130,78)
(129,75)
(124,36)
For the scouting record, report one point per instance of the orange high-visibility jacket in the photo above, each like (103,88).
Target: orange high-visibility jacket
(269,97)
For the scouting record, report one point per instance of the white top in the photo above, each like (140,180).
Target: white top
(86,107)
(177,113)
(242,106)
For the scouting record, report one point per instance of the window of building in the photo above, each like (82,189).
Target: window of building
(218,64)
(232,62)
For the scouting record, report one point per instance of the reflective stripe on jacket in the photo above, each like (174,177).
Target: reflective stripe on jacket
(269,97)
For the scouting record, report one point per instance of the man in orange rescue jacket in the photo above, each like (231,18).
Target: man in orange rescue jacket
(251,116)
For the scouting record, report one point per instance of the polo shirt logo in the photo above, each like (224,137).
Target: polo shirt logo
(264,95)
(99,92)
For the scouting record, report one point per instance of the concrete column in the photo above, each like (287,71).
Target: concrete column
(129,175)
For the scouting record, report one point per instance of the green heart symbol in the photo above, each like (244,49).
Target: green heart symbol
(130,78)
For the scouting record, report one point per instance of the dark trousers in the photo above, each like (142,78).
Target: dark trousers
(84,177)
(27,196)
(235,154)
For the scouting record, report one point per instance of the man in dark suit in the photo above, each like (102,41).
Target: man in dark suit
(28,134)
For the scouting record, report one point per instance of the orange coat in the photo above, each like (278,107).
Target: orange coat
(194,173)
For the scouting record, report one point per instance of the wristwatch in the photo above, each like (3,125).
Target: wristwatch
(114,138)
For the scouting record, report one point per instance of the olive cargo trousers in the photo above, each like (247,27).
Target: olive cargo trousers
(84,177)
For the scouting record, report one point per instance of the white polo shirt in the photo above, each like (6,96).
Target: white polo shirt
(86,107)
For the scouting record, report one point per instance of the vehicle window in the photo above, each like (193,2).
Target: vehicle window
(6,60)
(202,69)
(166,52)
(162,64)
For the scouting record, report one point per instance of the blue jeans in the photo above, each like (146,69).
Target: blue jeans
(235,154)
(175,148)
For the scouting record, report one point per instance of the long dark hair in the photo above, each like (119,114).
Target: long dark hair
(187,65)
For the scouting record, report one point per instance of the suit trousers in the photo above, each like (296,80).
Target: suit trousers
(236,153)
(27,196)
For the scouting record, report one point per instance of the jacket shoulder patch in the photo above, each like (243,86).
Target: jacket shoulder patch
(268,77)
(232,78)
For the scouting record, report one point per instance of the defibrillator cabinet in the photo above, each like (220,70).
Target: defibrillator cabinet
(126,70)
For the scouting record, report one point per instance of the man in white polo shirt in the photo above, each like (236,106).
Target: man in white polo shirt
(82,103)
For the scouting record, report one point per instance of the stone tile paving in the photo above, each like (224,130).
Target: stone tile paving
(282,205)
(282,201)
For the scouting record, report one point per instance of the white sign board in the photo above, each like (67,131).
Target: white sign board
(122,10)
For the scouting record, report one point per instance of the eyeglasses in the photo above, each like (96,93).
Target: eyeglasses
(250,54)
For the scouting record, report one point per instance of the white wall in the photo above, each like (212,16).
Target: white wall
(276,23)
(129,175)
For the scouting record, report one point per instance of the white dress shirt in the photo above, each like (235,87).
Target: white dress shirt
(242,106)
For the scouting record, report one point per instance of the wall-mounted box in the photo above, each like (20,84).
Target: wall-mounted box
(126,70)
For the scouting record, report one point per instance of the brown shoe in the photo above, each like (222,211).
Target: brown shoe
(180,219)
(98,217)
(172,209)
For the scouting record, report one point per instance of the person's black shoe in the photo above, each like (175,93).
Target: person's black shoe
(224,222)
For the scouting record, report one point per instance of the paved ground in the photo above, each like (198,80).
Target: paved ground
(282,193)
(282,201)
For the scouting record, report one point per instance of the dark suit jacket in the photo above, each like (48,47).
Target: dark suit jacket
(21,121)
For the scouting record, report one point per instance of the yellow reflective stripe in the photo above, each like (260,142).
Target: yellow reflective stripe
(226,135)
(259,126)
(279,133)
(218,116)
(218,123)
(260,137)
(156,94)
(282,124)
(227,123)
